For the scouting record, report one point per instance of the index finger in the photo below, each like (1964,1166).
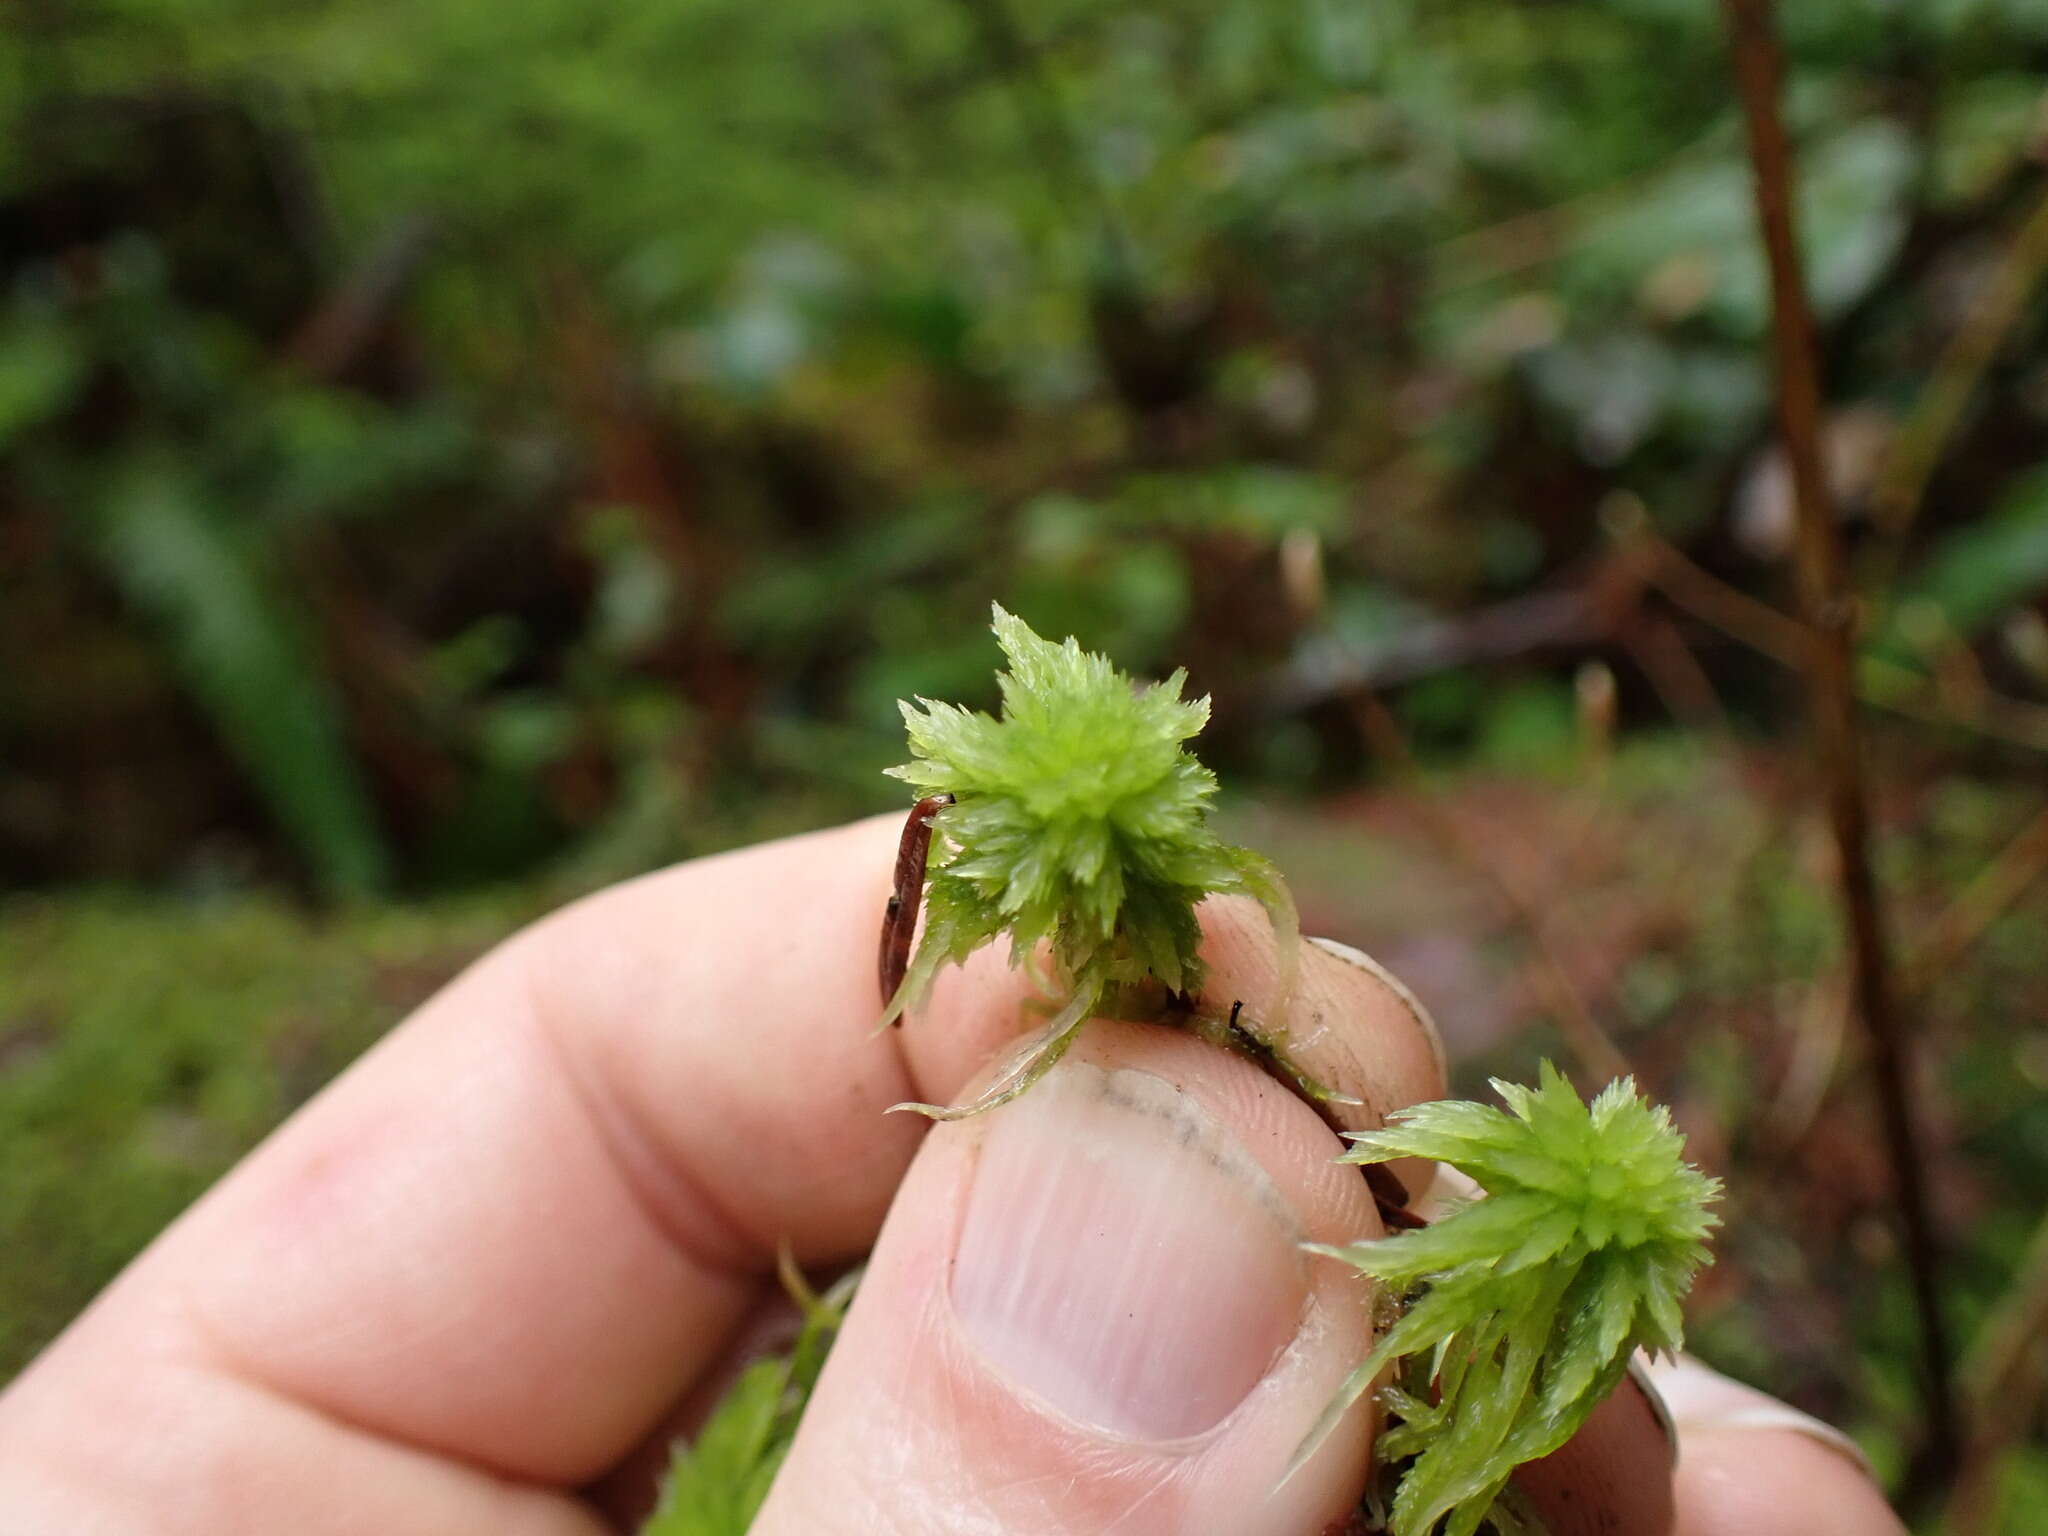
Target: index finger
(515,1232)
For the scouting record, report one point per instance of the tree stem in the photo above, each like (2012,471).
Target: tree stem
(1830,614)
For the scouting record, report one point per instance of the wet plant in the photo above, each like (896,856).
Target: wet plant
(1077,827)
(1514,1316)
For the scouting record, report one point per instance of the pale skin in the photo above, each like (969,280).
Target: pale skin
(482,1272)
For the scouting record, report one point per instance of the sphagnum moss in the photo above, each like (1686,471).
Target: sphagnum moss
(1520,1311)
(1079,825)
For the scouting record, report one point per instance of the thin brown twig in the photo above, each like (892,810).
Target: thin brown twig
(1659,650)
(1593,692)
(1830,670)
(1818,1037)
(1901,691)
(335,336)
(1537,235)
(2003,1383)
(1703,594)
(1997,886)
(1910,462)
(1618,583)
(1935,953)
(1881,684)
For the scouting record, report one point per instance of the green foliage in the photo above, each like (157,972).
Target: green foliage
(192,523)
(1977,574)
(1415,284)
(40,368)
(1525,1305)
(716,1483)
(1079,821)
(245,656)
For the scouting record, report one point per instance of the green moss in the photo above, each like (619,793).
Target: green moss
(1520,1311)
(1079,822)
(716,1483)
(146,1044)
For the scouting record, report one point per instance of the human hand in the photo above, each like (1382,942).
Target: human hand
(472,1284)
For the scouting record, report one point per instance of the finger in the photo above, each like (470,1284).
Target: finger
(1090,1311)
(1612,1478)
(516,1232)
(511,1233)
(184,1450)
(628,1493)
(1346,1021)
(1774,1482)
(1752,1465)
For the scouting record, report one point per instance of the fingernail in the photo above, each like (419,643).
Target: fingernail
(1395,985)
(1640,1378)
(1699,1397)
(1123,1258)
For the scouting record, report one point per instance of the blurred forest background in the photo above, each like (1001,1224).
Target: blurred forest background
(452,455)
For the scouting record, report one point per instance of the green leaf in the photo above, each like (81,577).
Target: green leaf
(1977,573)
(717,1483)
(715,1487)
(40,371)
(249,664)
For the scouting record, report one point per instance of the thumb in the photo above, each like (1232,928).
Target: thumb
(1089,1310)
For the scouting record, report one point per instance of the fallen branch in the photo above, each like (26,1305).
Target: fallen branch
(1591,612)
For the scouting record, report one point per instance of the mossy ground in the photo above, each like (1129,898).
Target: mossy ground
(147,1042)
